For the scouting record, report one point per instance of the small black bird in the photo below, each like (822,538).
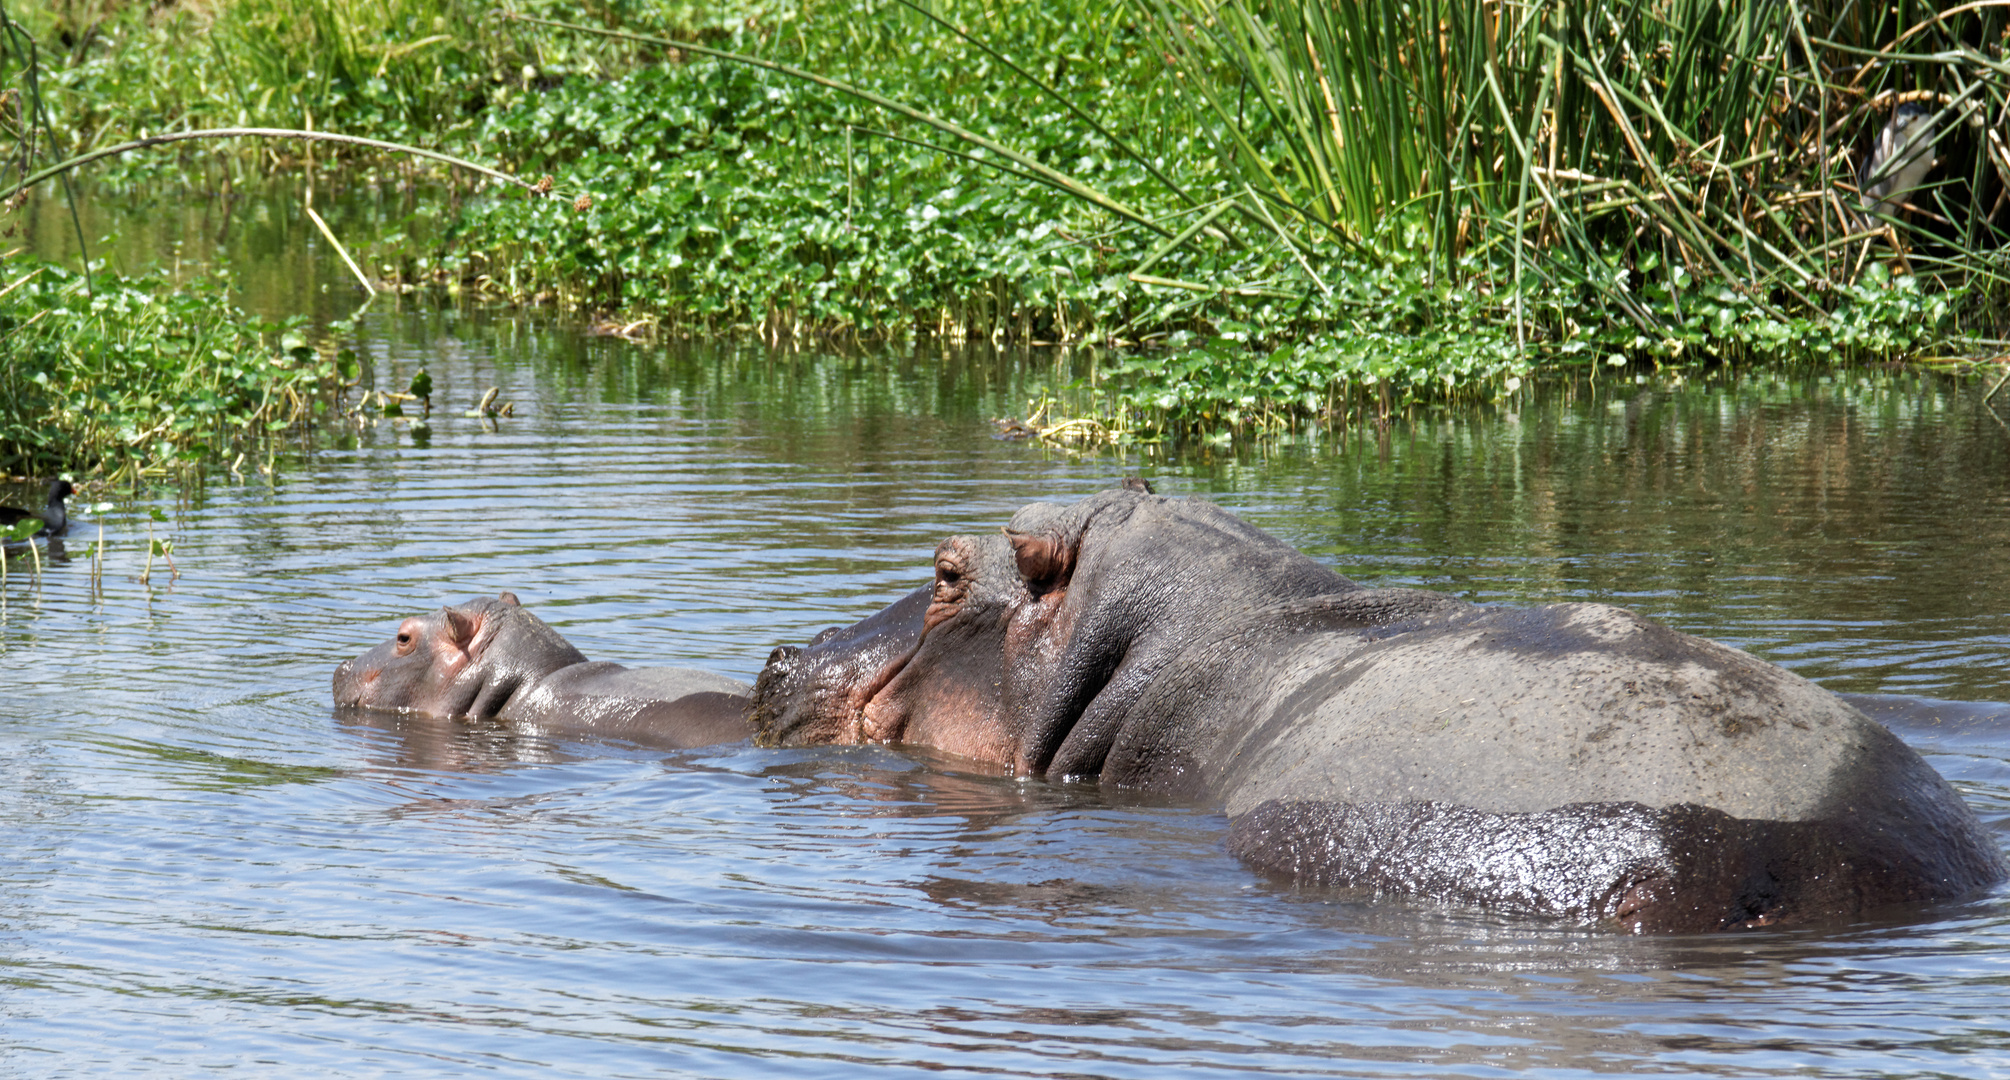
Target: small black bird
(54,517)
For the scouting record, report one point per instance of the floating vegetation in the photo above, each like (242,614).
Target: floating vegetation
(488,409)
(1290,211)
(137,376)
(1071,432)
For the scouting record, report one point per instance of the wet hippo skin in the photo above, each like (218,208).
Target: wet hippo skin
(1569,760)
(492,658)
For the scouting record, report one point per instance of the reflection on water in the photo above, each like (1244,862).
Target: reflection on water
(210,867)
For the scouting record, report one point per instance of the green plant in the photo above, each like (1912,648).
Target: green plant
(737,196)
(1715,140)
(1308,210)
(142,374)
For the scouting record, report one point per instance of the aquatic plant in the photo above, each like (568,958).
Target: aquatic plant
(408,71)
(139,375)
(1692,142)
(1447,182)
(1294,210)
(133,375)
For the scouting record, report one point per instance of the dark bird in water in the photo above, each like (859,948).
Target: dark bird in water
(1899,160)
(54,517)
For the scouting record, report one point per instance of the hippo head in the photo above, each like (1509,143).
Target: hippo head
(924,670)
(465,660)
(1030,646)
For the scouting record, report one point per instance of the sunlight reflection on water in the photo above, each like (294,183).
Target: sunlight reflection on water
(211,869)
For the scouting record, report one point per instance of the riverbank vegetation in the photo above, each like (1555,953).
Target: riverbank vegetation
(1287,211)
(129,377)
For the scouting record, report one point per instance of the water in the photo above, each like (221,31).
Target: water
(207,868)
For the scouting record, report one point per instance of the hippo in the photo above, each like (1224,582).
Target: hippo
(491,658)
(1572,761)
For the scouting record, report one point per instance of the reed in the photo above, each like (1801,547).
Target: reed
(69,164)
(1616,146)
(1675,160)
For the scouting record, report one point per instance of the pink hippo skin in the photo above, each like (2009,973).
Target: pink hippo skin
(1574,760)
(491,658)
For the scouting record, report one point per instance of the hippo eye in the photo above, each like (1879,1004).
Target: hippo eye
(404,642)
(948,572)
(949,584)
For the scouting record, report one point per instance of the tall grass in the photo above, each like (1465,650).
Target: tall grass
(409,54)
(1427,196)
(1604,142)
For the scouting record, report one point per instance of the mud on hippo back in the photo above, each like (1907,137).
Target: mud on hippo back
(1571,760)
(491,658)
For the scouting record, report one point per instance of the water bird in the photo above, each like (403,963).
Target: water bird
(55,518)
(1899,159)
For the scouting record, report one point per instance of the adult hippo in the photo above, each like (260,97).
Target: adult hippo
(491,658)
(1573,760)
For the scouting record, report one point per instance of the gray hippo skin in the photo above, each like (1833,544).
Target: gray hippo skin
(1570,760)
(491,658)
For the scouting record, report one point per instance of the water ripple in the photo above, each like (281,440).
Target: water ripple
(210,868)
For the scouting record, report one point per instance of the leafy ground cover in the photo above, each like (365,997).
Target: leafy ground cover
(126,377)
(1290,211)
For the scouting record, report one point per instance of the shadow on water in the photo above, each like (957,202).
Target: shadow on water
(208,868)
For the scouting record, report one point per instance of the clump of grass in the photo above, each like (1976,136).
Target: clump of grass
(1305,210)
(1639,158)
(729,199)
(1424,341)
(1605,145)
(137,376)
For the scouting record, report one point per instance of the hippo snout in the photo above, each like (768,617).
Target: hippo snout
(353,681)
(784,699)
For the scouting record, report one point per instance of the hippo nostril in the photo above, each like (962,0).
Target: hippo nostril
(784,652)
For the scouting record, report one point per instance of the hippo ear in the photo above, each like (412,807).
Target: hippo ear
(510,599)
(461,628)
(1138,484)
(1046,560)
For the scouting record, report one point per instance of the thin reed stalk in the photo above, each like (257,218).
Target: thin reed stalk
(167,138)
(1723,140)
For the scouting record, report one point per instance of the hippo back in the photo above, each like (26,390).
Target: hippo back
(1564,724)
(668,707)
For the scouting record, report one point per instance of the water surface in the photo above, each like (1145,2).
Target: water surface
(208,868)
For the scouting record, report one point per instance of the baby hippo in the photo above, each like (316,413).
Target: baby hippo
(491,658)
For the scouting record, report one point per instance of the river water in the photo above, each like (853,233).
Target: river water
(209,868)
